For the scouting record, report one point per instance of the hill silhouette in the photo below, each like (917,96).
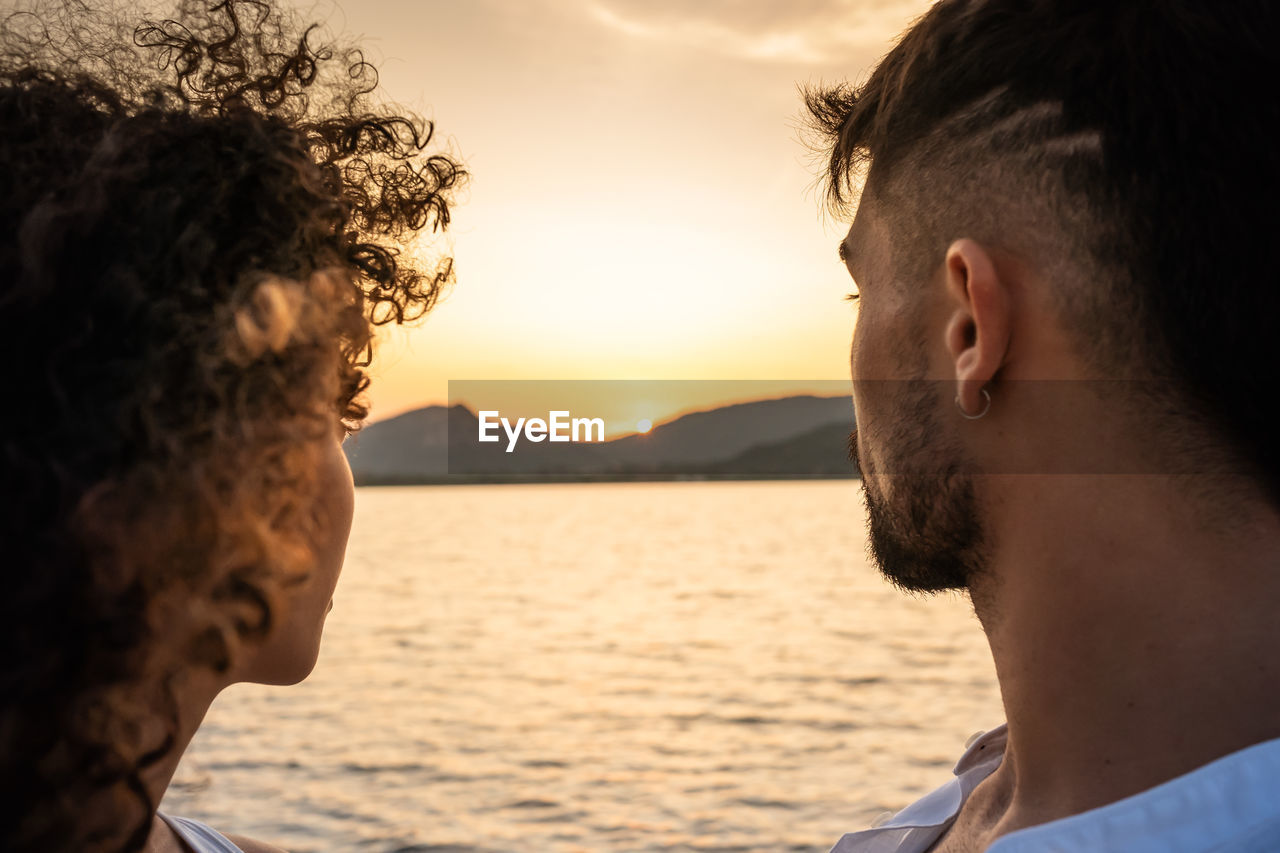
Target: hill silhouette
(803,436)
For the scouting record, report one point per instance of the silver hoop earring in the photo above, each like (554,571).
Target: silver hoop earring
(985,408)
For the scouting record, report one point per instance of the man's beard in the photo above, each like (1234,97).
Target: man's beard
(928,535)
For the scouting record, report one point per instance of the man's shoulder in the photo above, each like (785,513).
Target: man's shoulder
(1230,804)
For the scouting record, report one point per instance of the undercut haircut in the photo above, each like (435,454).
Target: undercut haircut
(1123,148)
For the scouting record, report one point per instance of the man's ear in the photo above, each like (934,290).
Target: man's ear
(978,328)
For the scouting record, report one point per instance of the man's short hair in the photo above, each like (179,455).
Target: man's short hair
(1126,146)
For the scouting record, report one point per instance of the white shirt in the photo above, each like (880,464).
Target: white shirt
(1231,804)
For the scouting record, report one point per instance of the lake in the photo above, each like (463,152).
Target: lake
(601,667)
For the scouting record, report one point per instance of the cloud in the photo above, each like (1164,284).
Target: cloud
(808,32)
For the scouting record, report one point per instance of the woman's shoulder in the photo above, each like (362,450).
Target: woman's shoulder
(249,845)
(202,838)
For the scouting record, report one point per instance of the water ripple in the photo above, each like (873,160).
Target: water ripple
(566,668)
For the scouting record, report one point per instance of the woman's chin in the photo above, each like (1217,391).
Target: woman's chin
(283,664)
(284,676)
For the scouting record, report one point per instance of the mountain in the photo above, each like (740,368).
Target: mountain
(407,447)
(722,433)
(822,452)
(800,436)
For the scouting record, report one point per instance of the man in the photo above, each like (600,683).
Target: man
(1064,352)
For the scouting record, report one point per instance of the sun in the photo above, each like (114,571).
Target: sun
(644,425)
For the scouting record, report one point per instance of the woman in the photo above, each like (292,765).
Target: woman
(201,222)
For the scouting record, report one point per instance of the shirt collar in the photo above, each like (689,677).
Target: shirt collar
(920,824)
(982,748)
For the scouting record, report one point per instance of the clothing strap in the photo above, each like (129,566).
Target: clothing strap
(200,838)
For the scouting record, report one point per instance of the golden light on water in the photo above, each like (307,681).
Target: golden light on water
(603,667)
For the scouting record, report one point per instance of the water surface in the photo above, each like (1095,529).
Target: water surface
(600,667)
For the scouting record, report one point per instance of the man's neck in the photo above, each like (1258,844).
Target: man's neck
(1132,638)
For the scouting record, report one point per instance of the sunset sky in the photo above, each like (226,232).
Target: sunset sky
(641,206)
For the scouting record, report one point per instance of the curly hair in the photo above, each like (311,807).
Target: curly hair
(202,220)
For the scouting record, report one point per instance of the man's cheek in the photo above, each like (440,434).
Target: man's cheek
(857,353)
